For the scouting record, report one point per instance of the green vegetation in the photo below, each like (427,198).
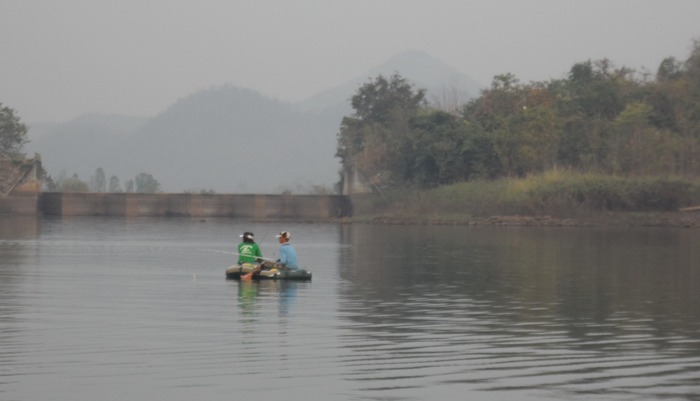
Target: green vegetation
(13,134)
(603,139)
(142,183)
(67,184)
(600,120)
(555,193)
(145,183)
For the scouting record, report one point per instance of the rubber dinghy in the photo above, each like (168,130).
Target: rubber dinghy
(236,271)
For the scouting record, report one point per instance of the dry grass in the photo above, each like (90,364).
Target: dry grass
(555,193)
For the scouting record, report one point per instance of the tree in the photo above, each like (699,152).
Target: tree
(99,181)
(598,90)
(145,183)
(70,184)
(500,100)
(440,150)
(379,100)
(49,184)
(691,74)
(669,69)
(674,98)
(114,184)
(520,127)
(691,66)
(633,146)
(370,139)
(13,134)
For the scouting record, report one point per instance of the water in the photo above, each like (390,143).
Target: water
(114,309)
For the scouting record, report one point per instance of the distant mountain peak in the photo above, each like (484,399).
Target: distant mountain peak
(420,68)
(426,71)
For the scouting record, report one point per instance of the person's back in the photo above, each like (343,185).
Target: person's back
(248,250)
(288,255)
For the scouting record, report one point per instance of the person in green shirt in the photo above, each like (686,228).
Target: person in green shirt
(248,250)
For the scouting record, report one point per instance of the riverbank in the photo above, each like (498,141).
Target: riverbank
(607,219)
(554,198)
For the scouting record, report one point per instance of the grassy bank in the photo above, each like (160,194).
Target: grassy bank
(555,196)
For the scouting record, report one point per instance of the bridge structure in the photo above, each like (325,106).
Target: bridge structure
(254,206)
(21,194)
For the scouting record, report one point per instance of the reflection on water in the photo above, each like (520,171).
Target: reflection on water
(281,293)
(12,229)
(113,309)
(595,313)
(16,227)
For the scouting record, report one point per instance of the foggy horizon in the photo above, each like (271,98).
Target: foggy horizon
(63,60)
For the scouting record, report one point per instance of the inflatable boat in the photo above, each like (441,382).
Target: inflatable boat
(236,271)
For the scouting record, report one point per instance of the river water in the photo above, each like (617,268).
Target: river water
(139,309)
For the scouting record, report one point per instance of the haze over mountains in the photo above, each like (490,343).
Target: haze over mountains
(232,139)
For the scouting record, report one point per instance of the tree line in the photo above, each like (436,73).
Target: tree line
(13,137)
(141,183)
(600,118)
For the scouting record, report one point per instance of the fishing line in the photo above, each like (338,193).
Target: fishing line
(231,253)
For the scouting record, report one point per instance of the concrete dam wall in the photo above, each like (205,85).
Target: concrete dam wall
(194,205)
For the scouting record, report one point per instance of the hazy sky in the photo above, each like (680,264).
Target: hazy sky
(60,59)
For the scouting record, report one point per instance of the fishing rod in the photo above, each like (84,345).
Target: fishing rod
(238,254)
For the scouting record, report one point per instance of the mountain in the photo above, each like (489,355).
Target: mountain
(443,84)
(235,140)
(225,138)
(231,139)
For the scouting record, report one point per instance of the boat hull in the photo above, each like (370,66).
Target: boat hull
(236,271)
